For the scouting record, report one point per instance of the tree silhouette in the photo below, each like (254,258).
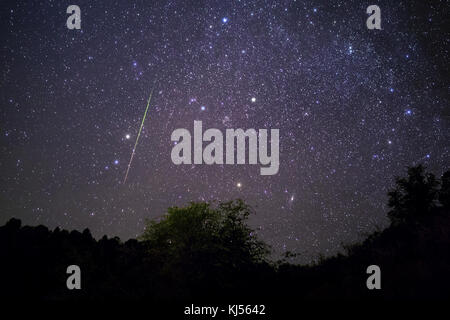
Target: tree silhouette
(444,193)
(414,196)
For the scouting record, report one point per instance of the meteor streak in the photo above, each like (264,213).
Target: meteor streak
(139,134)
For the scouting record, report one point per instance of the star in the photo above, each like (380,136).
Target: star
(345,101)
(350,49)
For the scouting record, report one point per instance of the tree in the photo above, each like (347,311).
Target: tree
(414,196)
(444,193)
(204,237)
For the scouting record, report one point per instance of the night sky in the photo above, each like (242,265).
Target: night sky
(354,107)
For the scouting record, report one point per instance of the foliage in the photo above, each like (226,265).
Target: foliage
(200,238)
(414,196)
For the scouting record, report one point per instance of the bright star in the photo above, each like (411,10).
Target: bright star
(253,99)
(239,184)
(350,49)
(203,108)
(225,20)
(116,162)
(127,136)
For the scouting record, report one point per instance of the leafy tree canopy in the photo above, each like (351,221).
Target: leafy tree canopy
(207,235)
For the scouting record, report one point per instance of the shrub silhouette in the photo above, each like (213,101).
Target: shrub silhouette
(414,196)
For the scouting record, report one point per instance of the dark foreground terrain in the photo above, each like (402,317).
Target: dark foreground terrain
(204,253)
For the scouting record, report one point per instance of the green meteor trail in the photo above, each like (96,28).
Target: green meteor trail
(139,134)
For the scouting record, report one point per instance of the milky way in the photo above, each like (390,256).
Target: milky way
(354,107)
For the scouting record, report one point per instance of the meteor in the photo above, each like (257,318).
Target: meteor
(139,134)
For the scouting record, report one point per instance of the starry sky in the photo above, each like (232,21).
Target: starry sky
(354,107)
